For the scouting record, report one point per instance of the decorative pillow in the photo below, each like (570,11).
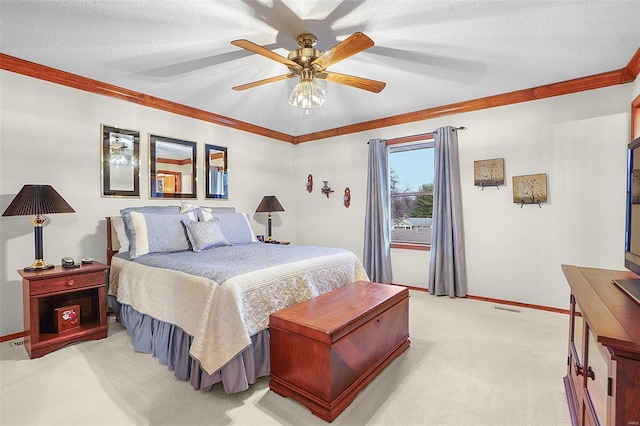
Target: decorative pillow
(157,233)
(186,206)
(236,228)
(118,225)
(204,235)
(207,213)
(128,226)
(153,209)
(204,216)
(204,213)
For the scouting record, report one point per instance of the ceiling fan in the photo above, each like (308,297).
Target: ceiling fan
(308,63)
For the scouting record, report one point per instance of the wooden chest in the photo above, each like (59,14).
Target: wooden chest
(325,350)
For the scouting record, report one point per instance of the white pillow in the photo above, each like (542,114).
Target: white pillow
(186,206)
(118,225)
(204,216)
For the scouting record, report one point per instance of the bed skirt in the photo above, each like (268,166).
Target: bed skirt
(170,344)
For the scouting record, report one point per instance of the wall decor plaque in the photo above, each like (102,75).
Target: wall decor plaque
(530,189)
(488,172)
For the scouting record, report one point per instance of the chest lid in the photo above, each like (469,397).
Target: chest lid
(335,314)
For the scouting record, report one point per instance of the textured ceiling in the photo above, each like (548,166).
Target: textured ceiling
(430,53)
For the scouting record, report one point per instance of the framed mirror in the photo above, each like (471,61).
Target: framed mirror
(120,160)
(216,173)
(172,168)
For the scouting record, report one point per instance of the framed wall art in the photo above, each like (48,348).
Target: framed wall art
(120,162)
(216,172)
(530,189)
(172,168)
(488,172)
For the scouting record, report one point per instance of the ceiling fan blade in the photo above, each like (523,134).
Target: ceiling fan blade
(356,42)
(265,81)
(246,44)
(353,81)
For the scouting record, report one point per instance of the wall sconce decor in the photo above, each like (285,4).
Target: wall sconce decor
(347,197)
(325,189)
(37,200)
(309,183)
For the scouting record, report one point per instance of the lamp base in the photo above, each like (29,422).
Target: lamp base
(38,265)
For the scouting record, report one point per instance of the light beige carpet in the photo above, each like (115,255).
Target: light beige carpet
(470,363)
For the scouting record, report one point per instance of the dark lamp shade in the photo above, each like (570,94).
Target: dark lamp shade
(36,200)
(269,204)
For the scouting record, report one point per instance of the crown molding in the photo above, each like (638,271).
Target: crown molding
(42,72)
(611,78)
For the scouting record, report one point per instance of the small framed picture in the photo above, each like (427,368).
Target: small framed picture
(120,160)
(530,189)
(488,172)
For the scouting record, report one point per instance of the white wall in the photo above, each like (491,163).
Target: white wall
(51,134)
(513,253)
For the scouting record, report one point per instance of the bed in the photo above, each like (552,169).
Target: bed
(194,287)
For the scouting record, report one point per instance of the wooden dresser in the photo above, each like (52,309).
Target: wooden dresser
(325,350)
(603,362)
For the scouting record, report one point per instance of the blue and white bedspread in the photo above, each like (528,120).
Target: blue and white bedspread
(223,296)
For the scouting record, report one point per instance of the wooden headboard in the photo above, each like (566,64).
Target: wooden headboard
(113,245)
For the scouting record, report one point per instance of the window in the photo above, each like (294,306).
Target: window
(411,178)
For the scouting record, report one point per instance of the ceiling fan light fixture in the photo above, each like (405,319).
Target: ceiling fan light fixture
(307,62)
(307,94)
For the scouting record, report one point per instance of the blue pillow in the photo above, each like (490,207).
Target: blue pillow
(236,228)
(126,218)
(204,235)
(157,233)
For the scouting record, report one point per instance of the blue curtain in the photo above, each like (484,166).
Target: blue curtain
(447,271)
(377,231)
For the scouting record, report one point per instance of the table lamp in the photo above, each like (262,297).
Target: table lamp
(269,204)
(37,200)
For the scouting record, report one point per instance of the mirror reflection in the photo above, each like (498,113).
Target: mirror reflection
(634,212)
(172,166)
(216,174)
(120,166)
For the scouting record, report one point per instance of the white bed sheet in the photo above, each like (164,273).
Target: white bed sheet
(222,317)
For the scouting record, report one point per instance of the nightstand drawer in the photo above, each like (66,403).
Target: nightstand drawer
(68,282)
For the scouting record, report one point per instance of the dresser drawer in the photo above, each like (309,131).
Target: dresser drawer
(65,283)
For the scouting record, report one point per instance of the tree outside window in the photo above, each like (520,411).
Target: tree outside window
(411,189)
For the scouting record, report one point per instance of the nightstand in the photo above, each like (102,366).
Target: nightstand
(44,292)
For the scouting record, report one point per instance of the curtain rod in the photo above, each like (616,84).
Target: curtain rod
(413,138)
